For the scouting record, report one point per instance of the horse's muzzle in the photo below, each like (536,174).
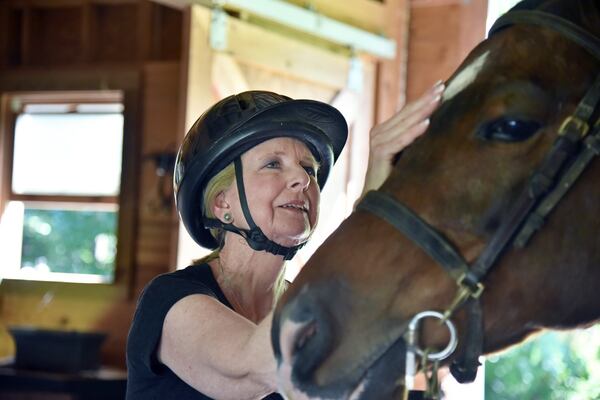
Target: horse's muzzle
(304,335)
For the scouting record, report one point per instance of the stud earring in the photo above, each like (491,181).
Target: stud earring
(227,217)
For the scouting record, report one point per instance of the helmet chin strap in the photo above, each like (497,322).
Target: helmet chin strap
(255,237)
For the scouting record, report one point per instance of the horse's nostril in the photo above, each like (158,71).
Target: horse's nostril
(295,336)
(304,335)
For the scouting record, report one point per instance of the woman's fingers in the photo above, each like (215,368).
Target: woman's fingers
(413,111)
(386,151)
(401,129)
(392,136)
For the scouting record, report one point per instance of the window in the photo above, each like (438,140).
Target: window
(61,212)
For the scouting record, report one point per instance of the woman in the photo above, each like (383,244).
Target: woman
(247,182)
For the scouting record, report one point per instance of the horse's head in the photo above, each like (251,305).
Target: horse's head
(338,332)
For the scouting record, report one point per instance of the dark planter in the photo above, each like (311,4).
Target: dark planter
(57,350)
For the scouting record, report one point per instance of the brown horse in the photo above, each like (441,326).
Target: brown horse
(340,330)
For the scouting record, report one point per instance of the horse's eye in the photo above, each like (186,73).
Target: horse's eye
(507,129)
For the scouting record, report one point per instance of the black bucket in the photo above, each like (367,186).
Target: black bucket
(57,350)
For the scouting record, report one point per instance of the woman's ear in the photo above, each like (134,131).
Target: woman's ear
(222,209)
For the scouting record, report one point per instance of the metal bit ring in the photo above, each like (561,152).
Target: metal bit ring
(412,329)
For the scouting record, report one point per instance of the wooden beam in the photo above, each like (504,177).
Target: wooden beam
(285,55)
(198,67)
(144,31)
(437,3)
(26,37)
(197,96)
(346,101)
(66,3)
(227,76)
(365,14)
(359,139)
(4,35)
(87,32)
(472,32)
(6,146)
(391,76)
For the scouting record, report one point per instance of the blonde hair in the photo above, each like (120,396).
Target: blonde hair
(217,184)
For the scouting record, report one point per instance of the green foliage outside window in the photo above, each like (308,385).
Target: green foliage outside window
(82,242)
(551,366)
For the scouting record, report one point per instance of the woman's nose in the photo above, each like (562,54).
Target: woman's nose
(299,179)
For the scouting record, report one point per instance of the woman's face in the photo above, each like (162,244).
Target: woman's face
(281,189)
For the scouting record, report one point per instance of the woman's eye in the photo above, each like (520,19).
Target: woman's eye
(508,129)
(273,164)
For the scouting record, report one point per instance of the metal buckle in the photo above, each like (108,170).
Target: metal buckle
(464,292)
(474,294)
(576,124)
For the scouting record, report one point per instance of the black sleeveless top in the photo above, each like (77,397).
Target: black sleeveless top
(147,378)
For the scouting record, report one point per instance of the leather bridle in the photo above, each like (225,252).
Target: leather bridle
(577,144)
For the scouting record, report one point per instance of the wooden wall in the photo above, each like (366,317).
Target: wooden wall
(442,33)
(138,40)
(145,38)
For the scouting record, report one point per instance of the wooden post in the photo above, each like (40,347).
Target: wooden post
(196,97)
(391,74)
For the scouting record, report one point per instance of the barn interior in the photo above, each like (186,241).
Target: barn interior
(148,69)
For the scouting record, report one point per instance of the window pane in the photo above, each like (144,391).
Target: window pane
(81,242)
(68,154)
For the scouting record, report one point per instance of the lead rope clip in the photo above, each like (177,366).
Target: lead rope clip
(413,350)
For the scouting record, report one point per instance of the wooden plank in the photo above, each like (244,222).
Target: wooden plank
(440,39)
(6,146)
(26,37)
(438,3)
(360,138)
(369,15)
(472,32)
(391,76)
(144,31)
(198,64)
(285,55)
(76,96)
(227,76)
(4,35)
(66,3)
(197,96)
(365,14)
(266,79)
(65,199)
(87,29)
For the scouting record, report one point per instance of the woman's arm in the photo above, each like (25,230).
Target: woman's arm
(392,136)
(216,351)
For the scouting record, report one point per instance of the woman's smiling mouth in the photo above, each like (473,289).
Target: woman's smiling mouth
(296,206)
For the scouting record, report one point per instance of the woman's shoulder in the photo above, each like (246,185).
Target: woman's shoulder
(193,273)
(190,280)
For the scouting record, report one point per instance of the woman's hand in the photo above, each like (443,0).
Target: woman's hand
(392,136)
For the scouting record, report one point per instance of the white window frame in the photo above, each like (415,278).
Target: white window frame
(10,226)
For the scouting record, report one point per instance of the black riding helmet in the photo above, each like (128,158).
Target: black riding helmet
(231,127)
